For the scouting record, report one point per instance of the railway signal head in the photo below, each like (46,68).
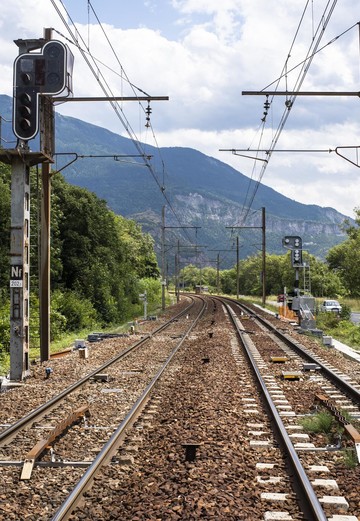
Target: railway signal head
(53,71)
(294,243)
(25,112)
(46,72)
(296,258)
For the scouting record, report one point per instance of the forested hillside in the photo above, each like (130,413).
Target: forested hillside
(100,261)
(203,192)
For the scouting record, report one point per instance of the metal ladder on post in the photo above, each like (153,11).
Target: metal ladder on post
(34,255)
(307,279)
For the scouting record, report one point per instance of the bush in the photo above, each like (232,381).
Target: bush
(57,319)
(343,330)
(350,458)
(153,290)
(345,312)
(72,312)
(321,422)
(327,320)
(5,327)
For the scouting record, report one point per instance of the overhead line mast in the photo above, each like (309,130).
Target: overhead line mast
(304,93)
(116,98)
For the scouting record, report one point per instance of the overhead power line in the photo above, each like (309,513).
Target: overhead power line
(291,95)
(103,84)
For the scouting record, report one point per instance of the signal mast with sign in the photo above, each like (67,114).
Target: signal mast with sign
(303,306)
(38,76)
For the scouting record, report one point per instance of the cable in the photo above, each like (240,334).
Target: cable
(107,91)
(246,206)
(315,53)
(300,79)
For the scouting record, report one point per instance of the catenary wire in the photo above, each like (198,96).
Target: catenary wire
(107,91)
(300,79)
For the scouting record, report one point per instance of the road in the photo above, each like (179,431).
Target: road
(355,318)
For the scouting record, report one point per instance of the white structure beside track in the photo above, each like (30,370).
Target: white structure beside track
(347,351)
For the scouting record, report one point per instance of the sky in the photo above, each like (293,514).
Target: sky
(203,54)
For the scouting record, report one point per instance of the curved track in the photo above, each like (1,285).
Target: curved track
(207,436)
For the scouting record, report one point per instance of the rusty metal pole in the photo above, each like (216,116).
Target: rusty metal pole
(44,276)
(163,282)
(177,271)
(263,257)
(47,147)
(237,267)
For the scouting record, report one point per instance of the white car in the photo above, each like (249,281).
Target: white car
(331,305)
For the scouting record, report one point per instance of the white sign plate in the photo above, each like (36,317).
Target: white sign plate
(16,283)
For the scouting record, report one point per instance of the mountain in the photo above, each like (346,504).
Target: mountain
(206,196)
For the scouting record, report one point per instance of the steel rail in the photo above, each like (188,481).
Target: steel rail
(9,433)
(346,387)
(114,442)
(308,499)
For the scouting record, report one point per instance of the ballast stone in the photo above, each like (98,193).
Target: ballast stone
(277,516)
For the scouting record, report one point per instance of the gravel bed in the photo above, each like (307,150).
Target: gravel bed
(207,399)
(301,396)
(201,403)
(36,389)
(109,401)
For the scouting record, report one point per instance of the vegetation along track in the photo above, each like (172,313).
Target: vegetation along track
(206,447)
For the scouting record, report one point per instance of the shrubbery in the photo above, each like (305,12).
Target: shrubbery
(71,312)
(340,328)
(98,262)
(4,327)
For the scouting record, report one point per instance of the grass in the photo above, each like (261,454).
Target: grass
(67,341)
(321,422)
(354,304)
(342,330)
(258,300)
(350,459)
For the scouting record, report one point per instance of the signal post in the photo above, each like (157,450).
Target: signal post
(37,77)
(36,74)
(19,268)
(20,159)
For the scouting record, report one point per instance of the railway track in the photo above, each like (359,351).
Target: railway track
(103,400)
(205,445)
(280,361)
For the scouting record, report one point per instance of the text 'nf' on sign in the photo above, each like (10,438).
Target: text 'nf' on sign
(16,272)
(16,276)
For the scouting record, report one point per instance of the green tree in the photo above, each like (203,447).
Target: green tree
(344,258)
(228,281)
(139,248)
(208,277)
(4,327)
(189,277)
(99,261)
(280,274)
(100,255)
(71,313)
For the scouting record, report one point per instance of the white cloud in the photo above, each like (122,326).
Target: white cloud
(223,48)
(322,178)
